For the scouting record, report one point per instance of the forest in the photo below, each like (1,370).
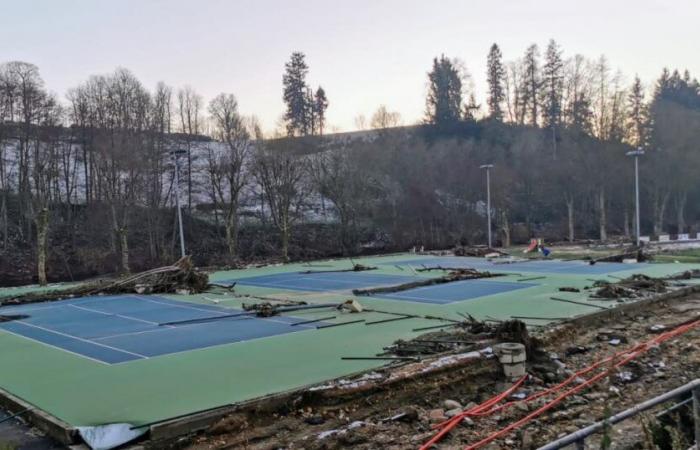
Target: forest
(87,183)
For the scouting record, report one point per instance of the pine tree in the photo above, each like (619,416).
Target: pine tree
(471,109)
(581,113)
(320,106)
(444,101)
(531,83)
(295,95)
(553,83)
(638,113)
(310,112)
(495,74)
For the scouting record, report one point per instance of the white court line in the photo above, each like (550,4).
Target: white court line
(199,324)
(58,348)
(80,339)
(399,295)
(230,311)
(114,315)
(285,284)
(175,304)
(272,336)
(134,333)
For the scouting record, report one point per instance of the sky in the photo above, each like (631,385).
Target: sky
(363,52)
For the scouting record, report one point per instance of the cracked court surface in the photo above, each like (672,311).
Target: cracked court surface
(109,359)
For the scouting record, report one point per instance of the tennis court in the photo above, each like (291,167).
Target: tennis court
(325,281)
(537,266)
(121,359)
(456,291)
(117,329)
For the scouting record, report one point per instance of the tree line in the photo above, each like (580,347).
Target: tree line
(91,177)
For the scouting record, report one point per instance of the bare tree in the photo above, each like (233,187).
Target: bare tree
(280,174)
(189,104)
(228,173)
(383,118)
(44,173)
(338,178)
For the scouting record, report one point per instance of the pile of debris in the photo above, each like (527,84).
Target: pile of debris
(354,268)
(687,275)
(182,277)
(457,274)
(478,251)
(468,334)
(636,286)
(633,253)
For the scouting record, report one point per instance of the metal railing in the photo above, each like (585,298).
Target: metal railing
(578,437)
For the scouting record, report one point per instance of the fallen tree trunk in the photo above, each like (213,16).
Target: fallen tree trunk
(456,275)
(635,253)
(355,268)
(181,276)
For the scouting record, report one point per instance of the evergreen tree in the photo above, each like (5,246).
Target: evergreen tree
(495,74)
(553,83)
(310,109)
(295,95)
(581,113)
(638,115)
(320,106)
(471,109)
(531,83)
(444,101)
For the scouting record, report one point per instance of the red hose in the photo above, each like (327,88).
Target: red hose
(454,421)
(633,353)
(487,407)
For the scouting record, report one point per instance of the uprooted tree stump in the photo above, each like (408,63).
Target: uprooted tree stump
(179,277)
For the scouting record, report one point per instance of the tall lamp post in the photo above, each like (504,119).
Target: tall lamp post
(175,155)
(636,153)
(488,168)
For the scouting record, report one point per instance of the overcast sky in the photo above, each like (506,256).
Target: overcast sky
(363,52)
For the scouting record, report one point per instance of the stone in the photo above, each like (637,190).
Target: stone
(437,415)
(522,406)
(451,404)
(453,412)
(315,420)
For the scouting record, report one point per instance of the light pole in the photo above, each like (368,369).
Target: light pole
(488,198)
(636,153)
(175,154)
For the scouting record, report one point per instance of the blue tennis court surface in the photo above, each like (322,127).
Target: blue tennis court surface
(328,281)
(536,266)
(455,291)
(115,329)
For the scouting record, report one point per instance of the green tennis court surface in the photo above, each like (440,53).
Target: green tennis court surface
(169,371)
